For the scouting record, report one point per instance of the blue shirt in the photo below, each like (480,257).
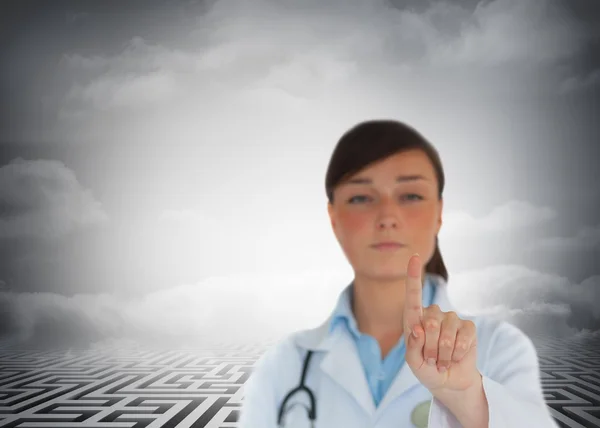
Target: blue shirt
(380,373)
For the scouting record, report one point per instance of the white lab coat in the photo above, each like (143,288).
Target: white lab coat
(506,358)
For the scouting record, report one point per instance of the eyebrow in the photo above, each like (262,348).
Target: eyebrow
(399,179)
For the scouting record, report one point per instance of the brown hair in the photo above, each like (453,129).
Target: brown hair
(374,140)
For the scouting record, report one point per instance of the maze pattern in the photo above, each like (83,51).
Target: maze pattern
(203,388)
(570,373)
(115,389)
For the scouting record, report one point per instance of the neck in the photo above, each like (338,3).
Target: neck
(378,305)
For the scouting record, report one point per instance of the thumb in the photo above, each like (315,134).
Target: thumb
(414,346)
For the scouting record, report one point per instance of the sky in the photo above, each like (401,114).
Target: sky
(168,157)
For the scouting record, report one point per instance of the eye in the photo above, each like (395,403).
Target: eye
(355,197)
(412,196)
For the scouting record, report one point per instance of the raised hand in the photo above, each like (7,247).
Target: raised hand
(443,355)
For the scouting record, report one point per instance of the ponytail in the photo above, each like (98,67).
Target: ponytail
(436,264)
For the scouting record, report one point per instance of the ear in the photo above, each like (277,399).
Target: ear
(440,210)
(331,215)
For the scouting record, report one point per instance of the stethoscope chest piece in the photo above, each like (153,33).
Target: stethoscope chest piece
(420,414)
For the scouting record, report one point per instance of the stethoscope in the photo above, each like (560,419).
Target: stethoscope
(312,412)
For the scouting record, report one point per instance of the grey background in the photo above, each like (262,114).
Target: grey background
(162,163)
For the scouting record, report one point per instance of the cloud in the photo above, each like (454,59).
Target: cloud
(586,238)
(235,309)
(588,82)
(542,304)
(294,52)
(504,31)
(297,58)
(445,33)
(511,216)
(137,55)
(124,91)
(249,309)
(44,199)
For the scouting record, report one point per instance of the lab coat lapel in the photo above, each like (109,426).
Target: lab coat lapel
(343,365)
(405,379)
(340,361)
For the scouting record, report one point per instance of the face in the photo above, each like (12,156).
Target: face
(393,200)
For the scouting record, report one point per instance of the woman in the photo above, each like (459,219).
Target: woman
(394,352)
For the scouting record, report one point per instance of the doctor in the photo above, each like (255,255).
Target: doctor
(394,352)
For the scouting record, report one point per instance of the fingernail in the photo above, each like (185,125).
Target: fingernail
(415,335)
(431,361)
(442,369)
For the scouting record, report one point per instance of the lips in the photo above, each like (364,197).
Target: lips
(388,245)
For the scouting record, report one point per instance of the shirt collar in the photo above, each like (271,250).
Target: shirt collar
(343,309)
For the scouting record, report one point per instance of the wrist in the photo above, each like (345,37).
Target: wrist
(468,405)
(467,388)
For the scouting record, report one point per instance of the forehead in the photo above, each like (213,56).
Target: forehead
(410,162)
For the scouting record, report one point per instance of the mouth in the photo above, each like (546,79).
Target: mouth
(388,246)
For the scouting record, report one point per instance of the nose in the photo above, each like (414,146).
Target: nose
(387,222)
(388,216)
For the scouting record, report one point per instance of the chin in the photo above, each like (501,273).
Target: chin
(386,274)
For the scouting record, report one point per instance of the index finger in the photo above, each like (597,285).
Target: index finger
(413,299)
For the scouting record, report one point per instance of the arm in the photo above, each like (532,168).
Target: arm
(509,394)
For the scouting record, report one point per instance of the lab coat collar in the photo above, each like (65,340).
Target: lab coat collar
(342,313)
(342,363)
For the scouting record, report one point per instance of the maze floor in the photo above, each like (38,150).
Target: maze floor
(570,371)
(141,388)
